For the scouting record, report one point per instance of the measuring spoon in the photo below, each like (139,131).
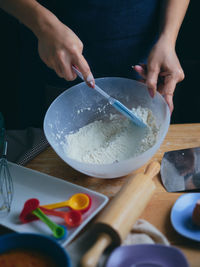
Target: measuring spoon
(79,201)
(31,206)
(72,218)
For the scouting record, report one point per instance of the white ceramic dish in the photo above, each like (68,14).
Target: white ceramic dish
(48,189)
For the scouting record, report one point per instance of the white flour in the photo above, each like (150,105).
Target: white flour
(104,142)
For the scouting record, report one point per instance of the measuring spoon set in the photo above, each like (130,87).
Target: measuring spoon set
(78,203)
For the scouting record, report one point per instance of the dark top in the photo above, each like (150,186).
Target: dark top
(116,34)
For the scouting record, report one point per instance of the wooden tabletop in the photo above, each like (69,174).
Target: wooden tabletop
(157,212)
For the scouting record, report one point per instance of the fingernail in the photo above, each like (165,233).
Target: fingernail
(91,84)
(151,92)
(90,80)
(135,67)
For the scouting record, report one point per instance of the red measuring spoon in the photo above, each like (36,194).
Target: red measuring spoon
(72,218)
(26,214)
(31,206)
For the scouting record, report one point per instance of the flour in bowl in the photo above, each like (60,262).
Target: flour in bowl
(105,142)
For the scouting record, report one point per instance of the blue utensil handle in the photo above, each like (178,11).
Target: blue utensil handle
(126,112)
(115,103)
(103,93)
(97,88)
(78,73)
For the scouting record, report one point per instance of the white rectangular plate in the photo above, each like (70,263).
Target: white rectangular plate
(48,189)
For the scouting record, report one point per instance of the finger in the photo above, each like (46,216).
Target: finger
(58,70)
(152,79)
(169,100)
(163,73)
(160,88)
(169,85)
(140,70)
(143,65)
(66,73)
(168,97)
(69,74)
(63,68)
(84,68)
(167,90)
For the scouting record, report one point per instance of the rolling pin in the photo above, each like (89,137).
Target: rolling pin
(117,219)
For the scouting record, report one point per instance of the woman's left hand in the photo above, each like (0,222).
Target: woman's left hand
(162,72)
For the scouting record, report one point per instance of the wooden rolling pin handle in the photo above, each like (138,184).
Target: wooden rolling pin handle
(119,217)
(93,255)
(152,169)
(106,235)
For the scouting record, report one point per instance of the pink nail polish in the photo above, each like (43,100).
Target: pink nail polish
(90,80)
(151,92)
(91,84)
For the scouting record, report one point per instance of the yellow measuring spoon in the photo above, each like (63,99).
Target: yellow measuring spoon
(79,201)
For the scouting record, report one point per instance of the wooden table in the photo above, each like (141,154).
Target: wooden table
(158,210)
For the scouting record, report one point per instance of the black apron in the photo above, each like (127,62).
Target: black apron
(116,34)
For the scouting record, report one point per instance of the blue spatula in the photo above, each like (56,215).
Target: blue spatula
(116,103)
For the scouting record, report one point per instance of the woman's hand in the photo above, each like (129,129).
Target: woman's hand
(60,48)
(162,72)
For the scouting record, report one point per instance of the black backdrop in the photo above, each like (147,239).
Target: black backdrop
(187,93)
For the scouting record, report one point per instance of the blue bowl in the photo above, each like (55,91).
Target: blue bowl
(36,242)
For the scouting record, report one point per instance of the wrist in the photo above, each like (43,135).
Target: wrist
(167,40)
(29,12)
(42,21)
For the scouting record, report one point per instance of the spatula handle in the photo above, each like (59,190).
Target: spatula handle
(97,88)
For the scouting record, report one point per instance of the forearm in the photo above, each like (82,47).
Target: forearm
(172,15)
(29,12)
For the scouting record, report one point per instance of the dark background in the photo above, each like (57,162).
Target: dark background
(187,93)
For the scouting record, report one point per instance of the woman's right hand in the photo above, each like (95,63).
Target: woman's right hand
(60,48)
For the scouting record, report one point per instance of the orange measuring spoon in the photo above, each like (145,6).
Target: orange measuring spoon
(72,218)
(79,201)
